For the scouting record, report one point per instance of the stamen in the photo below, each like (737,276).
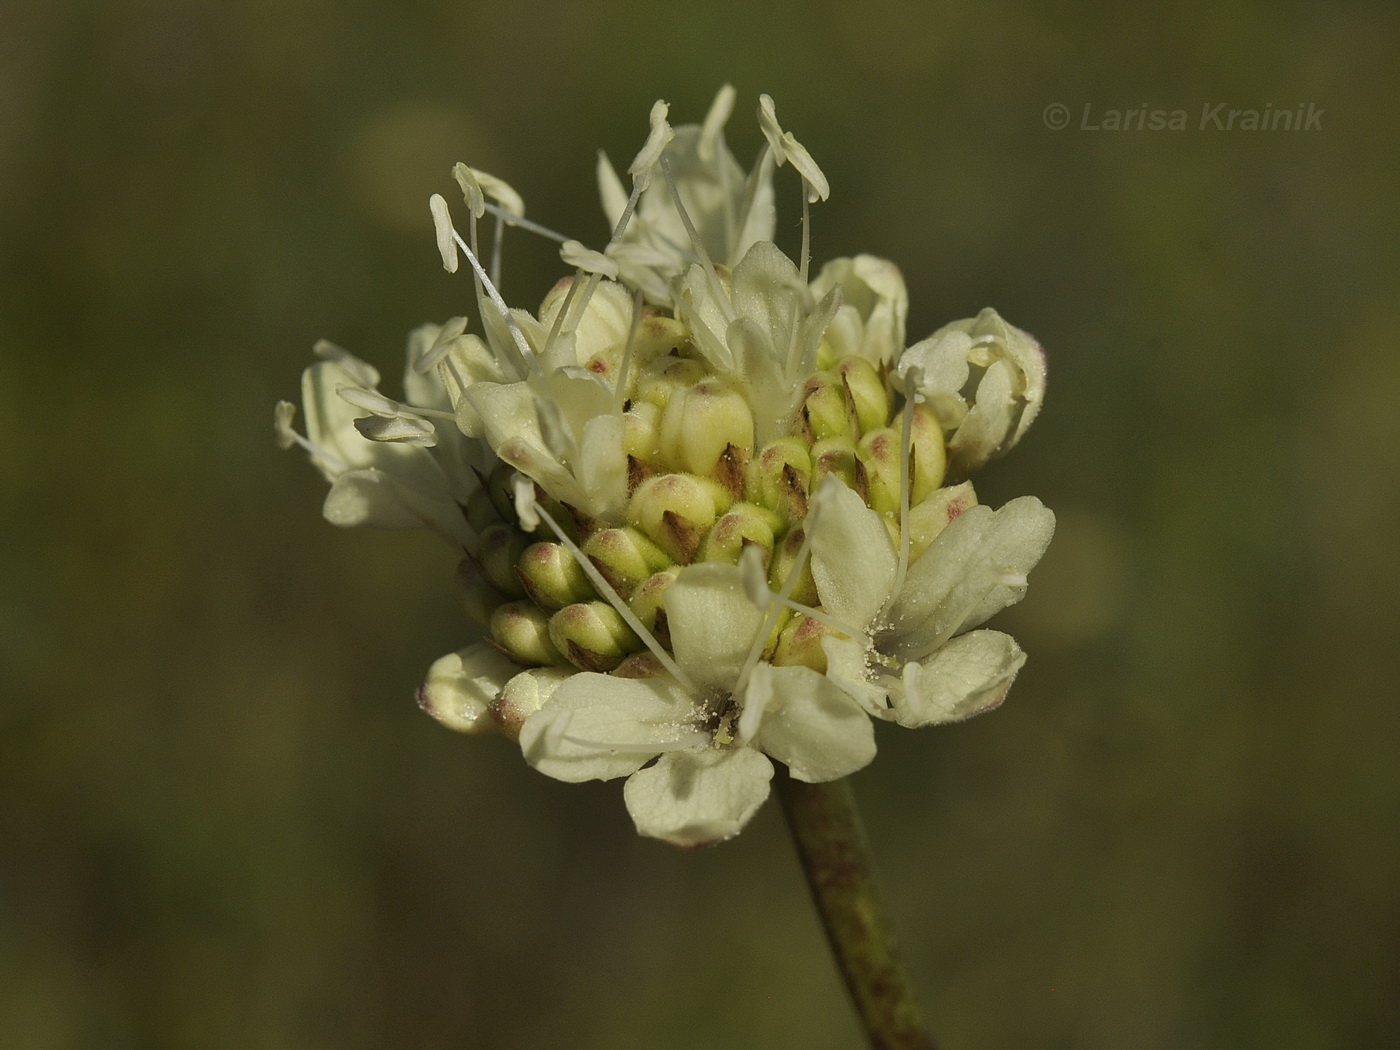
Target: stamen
(700,252)
(576,317)
(721,295)
(620,385)
(523,223)
(806,237)
(558,325)
(282,418)
(442,222)
(776,602)
(602,586)
(906,428)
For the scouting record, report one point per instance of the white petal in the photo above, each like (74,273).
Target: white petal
(809,724)
(936,365)
(848,667)
(610,189)
(969,675)
(976,567)
(460,687)
(694,798)
(712,623)
(597,727)
(380,500)
(986,430)
(853,561)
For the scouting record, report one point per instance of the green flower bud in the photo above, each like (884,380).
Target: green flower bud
(837,455)
(780,477)
(592,636)
(933,515)
(478,595)
(497,550)
(700,422)
(659,383)
(641,431)
(625,557)
(865,390)
(657,336)
(525,694)
(647,604)
(551,577)
(675,511)
(640,665)
(928,455)
(784,559)
(878,452)
(522,632)
(745,523)
(825,411)
(800,643)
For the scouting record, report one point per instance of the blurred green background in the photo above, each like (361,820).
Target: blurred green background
(224,823)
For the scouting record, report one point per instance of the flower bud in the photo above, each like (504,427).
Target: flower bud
(742,525)
(657,336)
(551,577)
(837,456)
(928,458)
(800,643)
(804,591)
(934,514)
(460,687)
(647,603)
(865,390)
(700,422)
(592,636)
(825,411)
(780,476)
(641,431)
(522,632)
(675,511)
(525,694)
(497,551)
(640,665)
(984,379)
(625,557)
(878,452)
(667,375)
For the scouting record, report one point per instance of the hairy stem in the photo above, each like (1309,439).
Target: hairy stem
(830,843)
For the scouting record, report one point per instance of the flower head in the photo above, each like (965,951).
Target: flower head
(712,513)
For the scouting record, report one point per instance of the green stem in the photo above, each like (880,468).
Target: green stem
(830,843)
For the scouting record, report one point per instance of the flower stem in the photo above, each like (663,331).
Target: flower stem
(830,843)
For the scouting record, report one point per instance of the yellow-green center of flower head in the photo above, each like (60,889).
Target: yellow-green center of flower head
(700,488)
(702,471)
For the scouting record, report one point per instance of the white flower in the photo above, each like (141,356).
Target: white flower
(984,379)
(382,482)
(729,210)
(701,501)
(708,722)
(920,665)
(874,308)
